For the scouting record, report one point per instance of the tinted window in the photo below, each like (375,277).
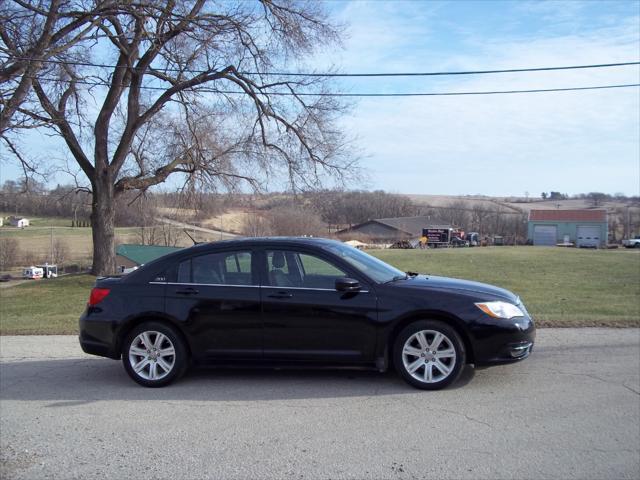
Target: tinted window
(184,272)
(376,269)
(207,268)
(301,270)
(227,268)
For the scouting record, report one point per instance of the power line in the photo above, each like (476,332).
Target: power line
(437,94)
(312,74)
(409,94)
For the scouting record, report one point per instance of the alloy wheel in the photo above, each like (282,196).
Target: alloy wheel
(429,356)
(152,355)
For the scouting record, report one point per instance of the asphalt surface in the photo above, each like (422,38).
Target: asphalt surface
(572,410)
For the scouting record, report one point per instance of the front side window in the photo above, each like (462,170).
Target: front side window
(301,270)
(226,268)
(376,269)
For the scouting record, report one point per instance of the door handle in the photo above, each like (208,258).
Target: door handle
(280,295)
(187,291)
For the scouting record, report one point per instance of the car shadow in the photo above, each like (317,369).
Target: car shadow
(80,381)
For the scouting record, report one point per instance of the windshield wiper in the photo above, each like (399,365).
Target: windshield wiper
(413,274)
(396,278)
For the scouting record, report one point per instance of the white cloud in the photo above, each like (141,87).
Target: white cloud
(503,144)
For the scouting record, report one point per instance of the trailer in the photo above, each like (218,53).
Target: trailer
(33,273)
(473,239)
(49,271)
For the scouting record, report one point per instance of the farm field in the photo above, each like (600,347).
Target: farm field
(36,241)
(560,287)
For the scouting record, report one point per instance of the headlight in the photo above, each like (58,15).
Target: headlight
(500,309)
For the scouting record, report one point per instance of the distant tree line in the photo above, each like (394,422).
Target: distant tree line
(318,213)
(323,212)
(30,197)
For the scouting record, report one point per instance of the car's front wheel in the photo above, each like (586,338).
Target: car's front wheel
(429,354)
(154,355)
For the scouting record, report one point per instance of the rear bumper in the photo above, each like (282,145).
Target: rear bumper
(97,348)
(97,337)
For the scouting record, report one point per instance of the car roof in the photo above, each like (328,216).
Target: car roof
(258,241)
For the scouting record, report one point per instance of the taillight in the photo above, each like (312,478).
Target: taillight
(97,295)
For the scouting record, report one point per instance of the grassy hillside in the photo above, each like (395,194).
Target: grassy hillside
(561,287)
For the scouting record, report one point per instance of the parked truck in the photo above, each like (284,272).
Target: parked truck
(632,242)
(443,236)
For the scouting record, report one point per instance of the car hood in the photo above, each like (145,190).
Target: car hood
(429,282)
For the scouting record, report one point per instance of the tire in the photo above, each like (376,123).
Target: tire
(415,361)
(154,354)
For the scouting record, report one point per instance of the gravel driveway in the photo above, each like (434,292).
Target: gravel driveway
(572,410)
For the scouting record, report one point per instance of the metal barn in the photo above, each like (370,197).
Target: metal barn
(582,228)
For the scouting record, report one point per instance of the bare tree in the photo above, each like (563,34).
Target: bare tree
(192,92)
(457,213)
(9,253)
(256,225)
(347,208)
(60,252)
(479,217)
(596,199)
(161,234)
(32,33)
(296,221)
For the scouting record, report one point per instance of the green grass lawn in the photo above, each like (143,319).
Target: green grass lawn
(47,307)
(560,287)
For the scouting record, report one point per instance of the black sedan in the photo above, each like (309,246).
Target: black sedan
(299,301)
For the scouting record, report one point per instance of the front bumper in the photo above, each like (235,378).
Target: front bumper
(498,341)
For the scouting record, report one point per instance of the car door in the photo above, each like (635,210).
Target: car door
(217,298)
(306,318)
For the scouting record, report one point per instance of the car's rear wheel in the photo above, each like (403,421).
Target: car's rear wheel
(429,354)
(154,354)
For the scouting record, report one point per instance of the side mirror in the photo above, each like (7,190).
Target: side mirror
(347,285)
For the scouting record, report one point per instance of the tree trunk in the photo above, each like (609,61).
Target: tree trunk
(102,226)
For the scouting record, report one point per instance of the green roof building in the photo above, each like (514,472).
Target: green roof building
(128,255)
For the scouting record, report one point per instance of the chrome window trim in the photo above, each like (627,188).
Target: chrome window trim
(205,284)
(253,286)
(309,288)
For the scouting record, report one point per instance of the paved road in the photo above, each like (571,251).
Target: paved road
(572,410)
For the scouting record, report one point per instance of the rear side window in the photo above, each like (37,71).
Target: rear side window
(226,268)
(184,272)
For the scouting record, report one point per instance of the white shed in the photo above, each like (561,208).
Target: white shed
(19,222)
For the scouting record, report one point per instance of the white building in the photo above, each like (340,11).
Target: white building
(19,222)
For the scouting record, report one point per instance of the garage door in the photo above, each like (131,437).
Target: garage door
(588,236)
(545,234)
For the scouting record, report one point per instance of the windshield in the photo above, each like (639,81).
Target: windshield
(375,269)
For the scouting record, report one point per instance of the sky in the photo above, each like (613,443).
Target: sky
(499,145)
